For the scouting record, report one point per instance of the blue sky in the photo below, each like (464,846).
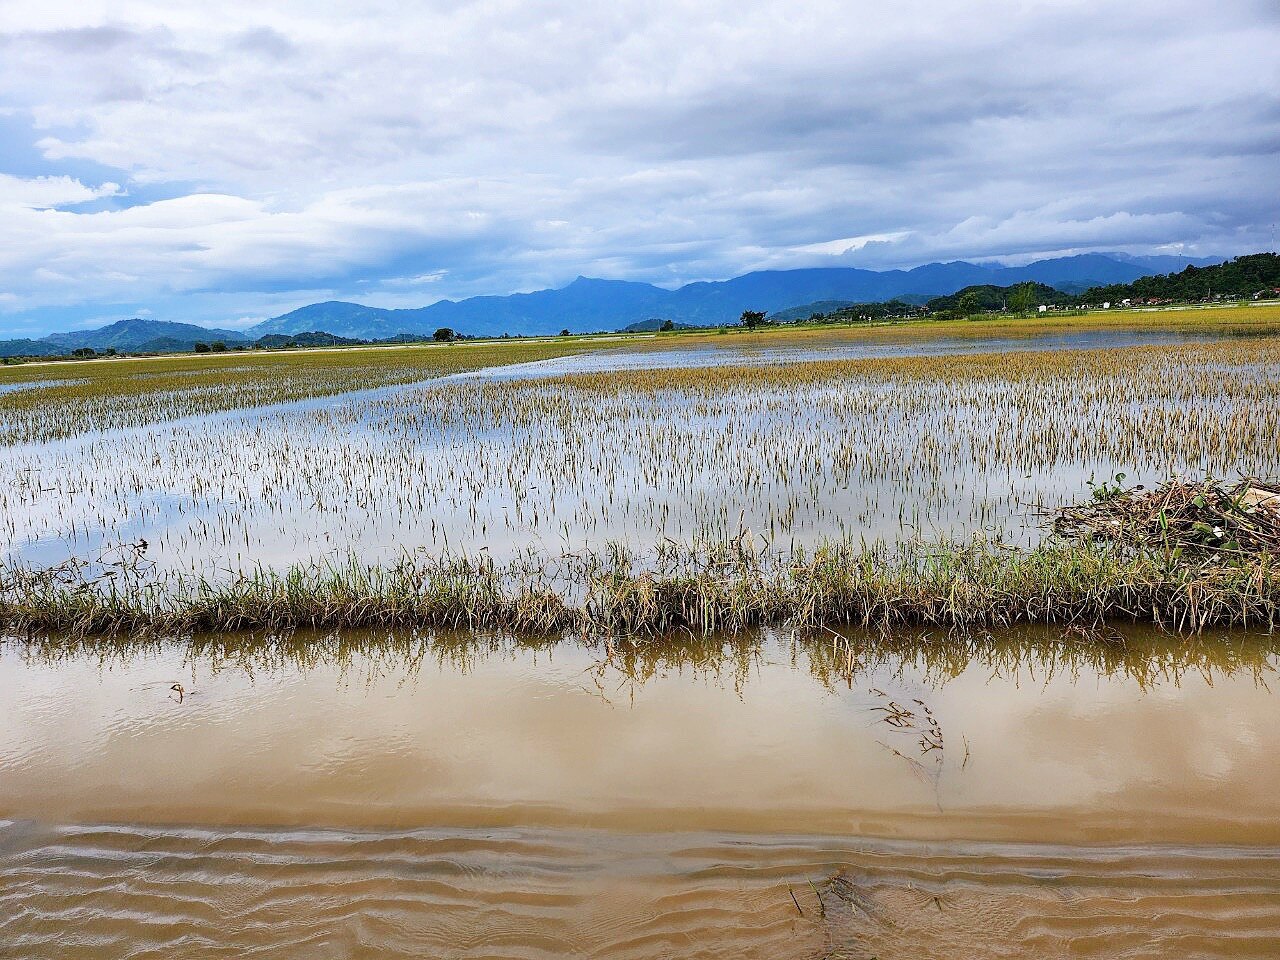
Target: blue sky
(221,163)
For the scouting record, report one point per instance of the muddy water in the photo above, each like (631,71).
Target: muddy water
(366,797)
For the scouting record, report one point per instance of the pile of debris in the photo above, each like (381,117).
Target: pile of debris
(1192,522)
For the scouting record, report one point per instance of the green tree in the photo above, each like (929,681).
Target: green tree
(752,319)
(667,326)
(443,335)
(1022,298)
(201,347)
(565,333)
(969,304)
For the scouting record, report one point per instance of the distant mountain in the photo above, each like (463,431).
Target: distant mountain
(141,336)
(337,317)
(581,306)
(1166,263)
(586,305)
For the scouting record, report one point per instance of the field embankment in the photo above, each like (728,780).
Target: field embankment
(1186,558)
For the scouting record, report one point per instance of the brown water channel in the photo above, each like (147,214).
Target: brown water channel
(1036,795)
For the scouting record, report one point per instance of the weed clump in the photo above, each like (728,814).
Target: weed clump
(1204,523)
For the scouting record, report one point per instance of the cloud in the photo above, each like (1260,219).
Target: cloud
(196,159)
(44,193)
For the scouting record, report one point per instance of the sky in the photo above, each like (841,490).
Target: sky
(221,163)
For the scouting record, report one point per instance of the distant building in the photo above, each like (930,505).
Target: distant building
(1043,308)
(1106,304)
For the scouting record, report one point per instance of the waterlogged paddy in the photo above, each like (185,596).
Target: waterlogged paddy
(794,445)
(1094,795)
(365,796)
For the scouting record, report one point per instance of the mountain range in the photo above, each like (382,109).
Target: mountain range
(589,304)
(586,304)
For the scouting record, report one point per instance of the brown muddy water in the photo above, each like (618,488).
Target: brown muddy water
(1030,795)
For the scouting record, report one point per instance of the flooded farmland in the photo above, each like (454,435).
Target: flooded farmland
(792,447)
(1099,790)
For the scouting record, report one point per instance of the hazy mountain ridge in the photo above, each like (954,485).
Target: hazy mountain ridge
(591,304)
(587,304)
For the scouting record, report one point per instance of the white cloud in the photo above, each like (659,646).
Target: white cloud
(463,147)
(43,193)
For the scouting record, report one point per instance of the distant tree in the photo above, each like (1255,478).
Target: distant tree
(565,333)
(1256,275)
(202,347)
(752,319)
(84,352)
(667,326)
(969,304)
(218,346)
(443,335)
(1022,299)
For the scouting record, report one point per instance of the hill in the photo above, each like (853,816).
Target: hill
(140,336)
(655,324)
(587,304)
(988,297)
(1242,278)
(312,338)
(30,348)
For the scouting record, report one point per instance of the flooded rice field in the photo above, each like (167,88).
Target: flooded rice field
(793,448)
(377,796)
(1099,791)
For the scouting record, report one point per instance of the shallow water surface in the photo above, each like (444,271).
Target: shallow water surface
(409,797)
(535,457)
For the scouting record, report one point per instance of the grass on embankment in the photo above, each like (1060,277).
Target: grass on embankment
(724,590)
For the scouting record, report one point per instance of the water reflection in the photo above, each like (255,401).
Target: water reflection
(1026,654)
(377,728)
(838,795)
